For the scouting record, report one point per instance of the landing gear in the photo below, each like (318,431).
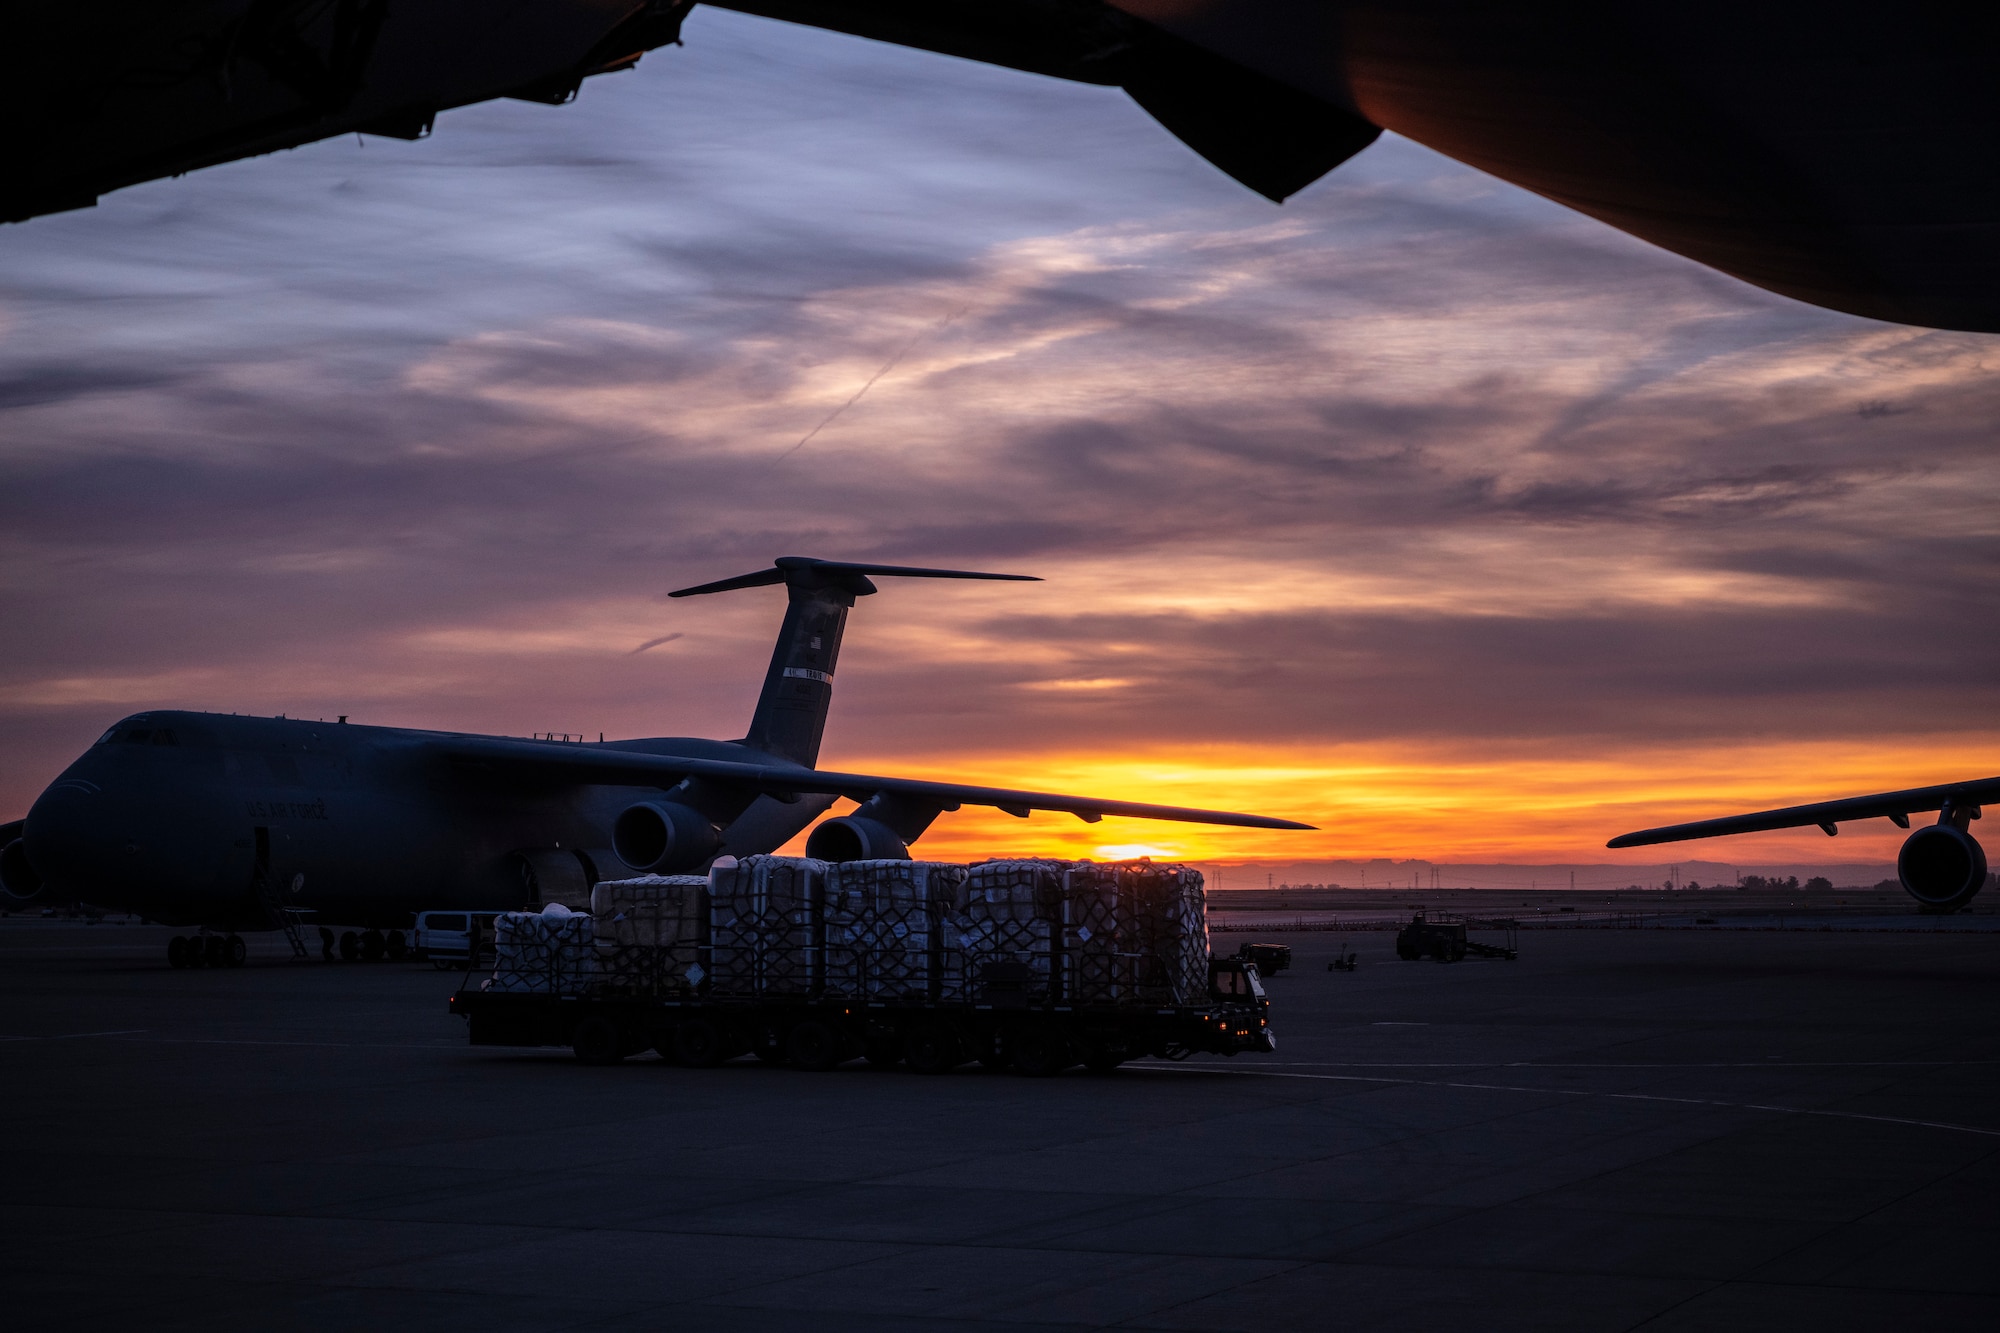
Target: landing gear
(350,946)
(326,944)
(398,948)
(207,951)
(373,946)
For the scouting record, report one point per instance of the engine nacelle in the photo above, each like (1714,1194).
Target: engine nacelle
(19,884)
(1941,867)
(663,837)
(856,838)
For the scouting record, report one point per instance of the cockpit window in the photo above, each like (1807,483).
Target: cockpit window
(138,735)
(105,739)
(164,736)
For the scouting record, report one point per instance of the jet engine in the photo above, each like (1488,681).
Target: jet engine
(663,837)
(1942,867)
(882,829)
(855,838)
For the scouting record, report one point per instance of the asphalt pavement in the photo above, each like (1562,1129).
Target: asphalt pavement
(1623,1129)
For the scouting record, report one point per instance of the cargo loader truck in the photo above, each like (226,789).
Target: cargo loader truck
(1040,966)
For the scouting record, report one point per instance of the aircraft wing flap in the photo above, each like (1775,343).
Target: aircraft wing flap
(548,760)
(1825,814)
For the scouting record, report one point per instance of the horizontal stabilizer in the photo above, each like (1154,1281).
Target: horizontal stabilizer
(799,568)
(1895,805)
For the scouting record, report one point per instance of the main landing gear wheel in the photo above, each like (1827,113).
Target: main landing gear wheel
(372,946)
(397,946)
(213,949)
(350,946)
(177,953)
(235,952)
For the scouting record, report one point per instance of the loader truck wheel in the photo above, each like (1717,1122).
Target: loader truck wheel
(1042,1052)
(1102,1061)
(597,1041)
(933,1048)
(699,1044)
(814,1044)
(882,1052)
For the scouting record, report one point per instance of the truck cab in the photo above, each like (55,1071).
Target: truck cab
(1234,985)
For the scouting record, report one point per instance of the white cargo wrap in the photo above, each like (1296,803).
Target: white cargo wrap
(651,932)
(1013,933)
(883,933)
(765,933)
(542,951)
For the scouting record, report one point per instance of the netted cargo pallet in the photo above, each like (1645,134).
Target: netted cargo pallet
(883,930)
(765,931)
(1004,933)
(1132,933)
(650,933)
(542,951)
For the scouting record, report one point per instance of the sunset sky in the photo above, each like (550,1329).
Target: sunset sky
(1419,508)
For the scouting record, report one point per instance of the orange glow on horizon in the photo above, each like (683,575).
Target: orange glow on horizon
(1530,804)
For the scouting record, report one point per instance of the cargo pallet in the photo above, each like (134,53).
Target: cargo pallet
(929,1037)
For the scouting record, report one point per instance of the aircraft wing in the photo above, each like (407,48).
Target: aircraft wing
(1827,815)
(592,764)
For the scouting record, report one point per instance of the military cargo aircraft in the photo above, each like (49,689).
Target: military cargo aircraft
(1837,151)
(1940,865)
(232,823)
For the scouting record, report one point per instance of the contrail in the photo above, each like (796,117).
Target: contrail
(654,643)
(908,347)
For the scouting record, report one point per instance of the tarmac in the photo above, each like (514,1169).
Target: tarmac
(1658,1129)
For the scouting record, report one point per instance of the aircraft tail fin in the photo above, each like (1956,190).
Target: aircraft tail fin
(798,688)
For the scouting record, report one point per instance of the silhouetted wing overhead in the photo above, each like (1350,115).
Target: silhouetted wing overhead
(594,764)
(1827,815)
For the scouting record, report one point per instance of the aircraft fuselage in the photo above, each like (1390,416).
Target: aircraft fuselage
(179,815)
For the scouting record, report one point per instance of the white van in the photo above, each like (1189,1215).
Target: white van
(446,937)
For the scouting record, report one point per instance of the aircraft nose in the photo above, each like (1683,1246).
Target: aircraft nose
(55,854)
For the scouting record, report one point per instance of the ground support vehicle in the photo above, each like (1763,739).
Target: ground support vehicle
(1270,959)
(454,939)
(1441,936)
(821,1034)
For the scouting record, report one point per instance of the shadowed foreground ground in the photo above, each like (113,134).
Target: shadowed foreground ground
(1657,1129)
